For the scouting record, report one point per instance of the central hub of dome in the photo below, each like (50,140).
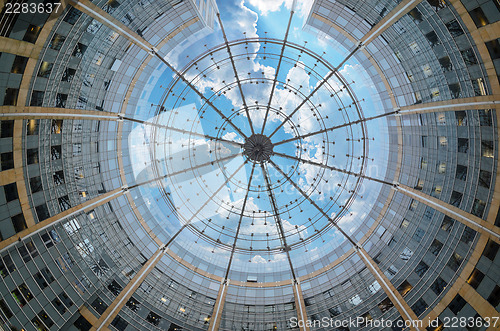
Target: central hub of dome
(258,148)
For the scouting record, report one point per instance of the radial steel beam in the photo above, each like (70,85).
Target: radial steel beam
(277,219)
(299,299)
(395,297)
(310,134)
(233,64)
(173,174)
(221,296)
(275,80)
(318,86)
(167,127)
(240,221)
(332,168)
(100,15)
(11,112)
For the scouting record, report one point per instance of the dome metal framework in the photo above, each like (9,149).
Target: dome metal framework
(256,143)
(219,216)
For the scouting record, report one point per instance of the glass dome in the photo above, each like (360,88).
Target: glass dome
(249,165)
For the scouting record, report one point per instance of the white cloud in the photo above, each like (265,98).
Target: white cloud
(275,258)
(267,6)
(258,259)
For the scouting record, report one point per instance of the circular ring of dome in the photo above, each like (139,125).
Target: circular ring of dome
(222,230)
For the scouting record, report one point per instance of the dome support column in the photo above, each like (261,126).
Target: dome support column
(479,102)
(393,16)
(51,221)
(456,213)
(215,319)
(114,308)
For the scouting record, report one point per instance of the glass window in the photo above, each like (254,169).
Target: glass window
(6,129)
(99,306)
(114,287)
(456,198)
(419,307)
(423,164)
(58,305)
(18,297)
(457,304)
(436,247)
(484,178)
(418,235)
(494,297)
(491,250)
(32,156)
(37,98)
(36,184)
(432,38)
(155,318)
(475,278)
(479,17)
(454,28)
(443,141)
(404,288)
(487,148)
(79,50)
(442,167)
(57,42)
(19,65)
(120,324)
(57,126)
(385,305)
(445,63)
(58,177)
(463,145)
(45,69)
(468,235)
(32,33)
(134,305)
(469,57)
(447,223)
(461,172)
(10,191)
(7,160)
(32,127)
(65,299)
(42,212)
(494,49)
(5,309)
(455,90)
(478,208)
(10,98)
(438,285)
(61,100)
(455,261)
(55,152)
(461,117)
(68,75)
